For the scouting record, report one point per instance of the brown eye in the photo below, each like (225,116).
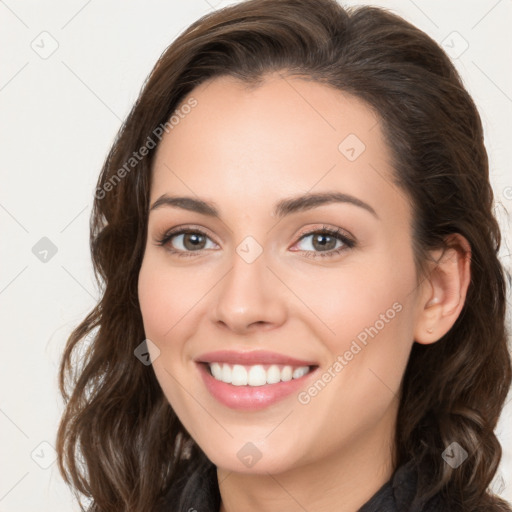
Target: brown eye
(324,242)
(193,241)
(186,241)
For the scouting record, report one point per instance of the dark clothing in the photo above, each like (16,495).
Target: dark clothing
(397,495)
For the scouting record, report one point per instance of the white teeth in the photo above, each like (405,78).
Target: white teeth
(286,373)
(273,375)
(226,374)
(216,369)
(239,376)
(255,375)
(300,372)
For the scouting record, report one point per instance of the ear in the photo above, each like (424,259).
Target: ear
(444,290)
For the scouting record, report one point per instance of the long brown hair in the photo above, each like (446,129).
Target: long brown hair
(119,442)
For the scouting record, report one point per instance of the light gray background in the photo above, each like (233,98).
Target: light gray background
(59,115)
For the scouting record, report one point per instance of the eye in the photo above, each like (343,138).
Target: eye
(185,241)
(324,242)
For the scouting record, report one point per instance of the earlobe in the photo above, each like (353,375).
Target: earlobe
(445,290)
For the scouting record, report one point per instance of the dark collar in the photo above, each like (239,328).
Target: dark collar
(397,495)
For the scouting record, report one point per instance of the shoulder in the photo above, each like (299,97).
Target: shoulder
(195,489)
(400,494)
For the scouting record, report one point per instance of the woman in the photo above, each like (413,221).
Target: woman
(303,306)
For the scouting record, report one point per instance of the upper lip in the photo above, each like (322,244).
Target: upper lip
(251,357)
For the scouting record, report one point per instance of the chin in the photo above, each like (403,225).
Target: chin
(253,458)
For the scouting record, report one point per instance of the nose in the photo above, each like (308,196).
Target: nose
(249,298)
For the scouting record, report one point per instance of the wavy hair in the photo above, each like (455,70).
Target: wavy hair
(119,442)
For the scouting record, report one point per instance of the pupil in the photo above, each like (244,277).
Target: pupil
(192,240)
(324,242)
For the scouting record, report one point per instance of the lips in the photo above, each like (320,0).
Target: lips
(251,358)
(252,380)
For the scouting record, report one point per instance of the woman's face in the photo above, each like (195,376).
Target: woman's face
(294,283)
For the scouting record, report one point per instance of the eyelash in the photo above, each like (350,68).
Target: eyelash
(348,243)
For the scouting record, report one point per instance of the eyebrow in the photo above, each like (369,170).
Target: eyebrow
(282,208)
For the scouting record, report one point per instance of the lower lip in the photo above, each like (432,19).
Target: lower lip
(250,397)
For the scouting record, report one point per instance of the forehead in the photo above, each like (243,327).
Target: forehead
(285,136)
(278,114)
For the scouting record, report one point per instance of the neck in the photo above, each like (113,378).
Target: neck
(343,481)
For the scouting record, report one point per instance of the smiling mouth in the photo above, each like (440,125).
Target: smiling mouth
(256,375)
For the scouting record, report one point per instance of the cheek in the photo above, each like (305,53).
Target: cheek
(166,297)
(367,325)
(368,296)
(372,316)
(361,312)
(157,305)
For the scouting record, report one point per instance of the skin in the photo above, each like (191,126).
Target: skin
(244,149)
